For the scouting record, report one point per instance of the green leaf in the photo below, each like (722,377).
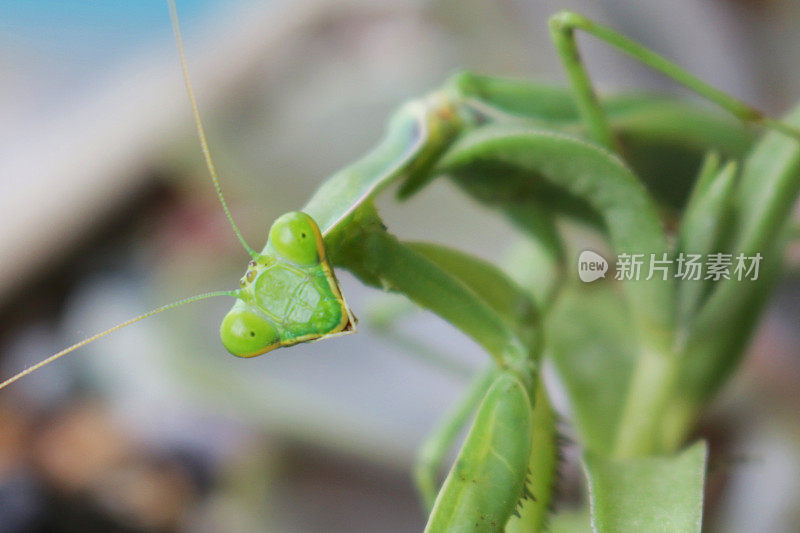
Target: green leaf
(664,138)
(537,269)
(650,494)
(593,348)
(540,102)
(706,222)
(600,179)
(665,141)
(513,190)
(570,521)
(762,206)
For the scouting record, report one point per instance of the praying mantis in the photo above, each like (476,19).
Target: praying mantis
(533,153)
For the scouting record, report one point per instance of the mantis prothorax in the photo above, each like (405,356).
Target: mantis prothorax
(551,154)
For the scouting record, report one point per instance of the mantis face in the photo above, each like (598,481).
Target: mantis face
(289,293)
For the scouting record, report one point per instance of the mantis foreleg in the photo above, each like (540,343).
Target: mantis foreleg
(431,454)
(487,481)
(542,468)
(380,259)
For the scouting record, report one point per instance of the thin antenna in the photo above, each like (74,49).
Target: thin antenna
(121,325)
(176,29)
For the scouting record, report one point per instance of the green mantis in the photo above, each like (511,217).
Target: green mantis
(534,154)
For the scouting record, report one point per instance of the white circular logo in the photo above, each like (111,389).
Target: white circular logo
(591,266)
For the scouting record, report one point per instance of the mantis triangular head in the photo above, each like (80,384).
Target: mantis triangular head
(289,293)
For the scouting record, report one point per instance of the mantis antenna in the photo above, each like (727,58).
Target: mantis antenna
(121,325)
(176,29)
(210,164)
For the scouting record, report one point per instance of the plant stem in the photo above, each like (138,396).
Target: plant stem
(650,389)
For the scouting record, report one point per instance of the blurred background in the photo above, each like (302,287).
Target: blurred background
(106,211)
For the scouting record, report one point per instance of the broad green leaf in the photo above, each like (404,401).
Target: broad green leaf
(593,348)
(538,101)
(543,252)
(570,521)
(665,142)
(652,494)
(599,178)
(514,190)
(664,139)
(538,270)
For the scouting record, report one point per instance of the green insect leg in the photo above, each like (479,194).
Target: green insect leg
(542,469)
(431,454)
(380,259)
(487,480)
(562,29)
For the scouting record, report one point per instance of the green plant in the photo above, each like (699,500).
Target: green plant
(638,364)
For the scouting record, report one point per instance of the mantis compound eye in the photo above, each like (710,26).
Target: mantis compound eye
(296,237)
(246,333)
